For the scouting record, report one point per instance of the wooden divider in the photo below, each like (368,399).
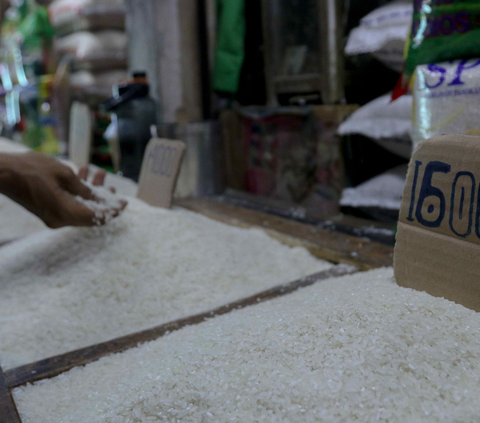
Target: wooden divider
(8,409)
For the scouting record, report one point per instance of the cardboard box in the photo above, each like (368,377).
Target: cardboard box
(438,239)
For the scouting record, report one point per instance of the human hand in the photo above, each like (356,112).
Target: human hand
(49,189)
(98,178)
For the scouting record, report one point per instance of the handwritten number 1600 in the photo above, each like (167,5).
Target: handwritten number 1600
(427,191)
(162,160)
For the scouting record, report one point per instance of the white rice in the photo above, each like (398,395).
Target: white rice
(105,205)
(357,348)
(73,287)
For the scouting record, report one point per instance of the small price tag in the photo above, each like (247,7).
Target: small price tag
(438,239)
(160,168)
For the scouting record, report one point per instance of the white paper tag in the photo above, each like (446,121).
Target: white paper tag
(160,168)
(80,136)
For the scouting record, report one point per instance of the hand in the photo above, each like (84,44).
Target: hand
(98,178)
(48,189)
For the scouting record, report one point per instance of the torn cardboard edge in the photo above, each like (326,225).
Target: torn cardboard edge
(159,173)
(438,238)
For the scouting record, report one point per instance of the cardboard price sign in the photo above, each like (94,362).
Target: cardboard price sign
(438,239)
(160,168)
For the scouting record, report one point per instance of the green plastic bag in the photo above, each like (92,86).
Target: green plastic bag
(230,50)
(443,30)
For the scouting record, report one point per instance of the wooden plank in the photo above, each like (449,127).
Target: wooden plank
(53,366)
(328,245)
(275,204)
(349,225)
(8,409)
(231,133)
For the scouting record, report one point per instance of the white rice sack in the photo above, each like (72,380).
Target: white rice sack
(85,46)
(446,99)
(65,12)
(352,349)
(387,123)
(383,33)
(384,191)
(73,287)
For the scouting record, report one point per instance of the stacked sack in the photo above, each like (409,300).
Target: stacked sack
(383,34)
(92,34)
(442,70)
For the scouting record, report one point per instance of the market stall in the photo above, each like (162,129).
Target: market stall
(239,211)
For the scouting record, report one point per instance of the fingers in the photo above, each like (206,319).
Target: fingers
(94,213)
(83,173)
(75,186)
(76,213)
(99,178)
(72,212)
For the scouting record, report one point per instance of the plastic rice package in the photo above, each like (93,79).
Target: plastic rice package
(383,33)
(78,15)
(446,99)
(443,30)
(387,123)
(104,49)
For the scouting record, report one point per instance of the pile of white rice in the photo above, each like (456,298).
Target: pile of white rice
(69,288)
(357,348)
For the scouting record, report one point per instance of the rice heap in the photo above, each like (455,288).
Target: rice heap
(356,348)
(73,287)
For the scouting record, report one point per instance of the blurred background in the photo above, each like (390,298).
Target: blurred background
(282,104)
